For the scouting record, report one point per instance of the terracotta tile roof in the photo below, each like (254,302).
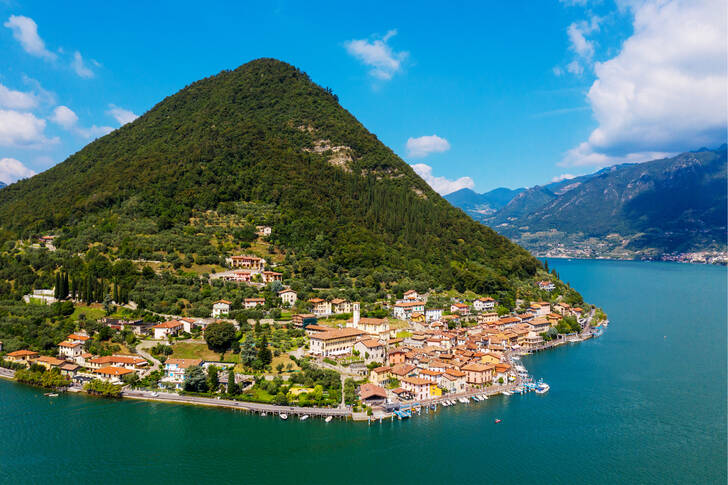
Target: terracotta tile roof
(113,371)
(416,381)
(371,390)
(22,353)
(75,336)
(169,324)
(49,360)
(338,333)
(69,344)
(371,343)
(409,304)
(224,301)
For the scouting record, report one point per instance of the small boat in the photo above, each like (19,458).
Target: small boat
(304,417)
(155,394)
(543,388)
(476,398)
(498,421)
(263,414)
(328,419)
(284,416)
(506,393)
(51,394)
(463,400)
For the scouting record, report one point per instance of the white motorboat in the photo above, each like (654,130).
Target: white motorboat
(542,388)
(328,419)
(506,393)
(304,417)
(284,416)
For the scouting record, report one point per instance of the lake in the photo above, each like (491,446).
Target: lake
(644,403)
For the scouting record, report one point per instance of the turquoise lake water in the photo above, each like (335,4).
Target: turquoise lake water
(644,403)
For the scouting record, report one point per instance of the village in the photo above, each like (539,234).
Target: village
(412,356)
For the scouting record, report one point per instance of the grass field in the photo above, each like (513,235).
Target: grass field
(185,350)
(90,312)
(285,360)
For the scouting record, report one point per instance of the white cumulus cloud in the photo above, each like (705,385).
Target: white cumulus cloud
(425,145)
(121,115)
(665,91)
(578,32)
(10,98)
(563,176)
(22,130)
(12,170)
(66,118)
(384,61)
(442,185)
(25,31)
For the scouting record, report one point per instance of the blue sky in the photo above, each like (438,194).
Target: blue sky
(482,96)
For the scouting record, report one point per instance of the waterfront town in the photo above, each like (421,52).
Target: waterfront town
(411,352)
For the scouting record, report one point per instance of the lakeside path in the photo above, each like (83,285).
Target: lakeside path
(241,405)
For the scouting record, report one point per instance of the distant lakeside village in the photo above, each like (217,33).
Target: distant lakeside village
(395,357)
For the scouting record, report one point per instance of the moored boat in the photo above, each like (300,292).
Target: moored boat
(284,416)
(328,419)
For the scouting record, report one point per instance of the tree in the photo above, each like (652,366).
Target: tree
(195,379)
(220,336)
(213,381)
(248,353)
(279,367)
(232,388)
(264,354)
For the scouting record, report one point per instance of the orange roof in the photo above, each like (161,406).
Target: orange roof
(113,371)
(22,353)
(169,324)
(337,333)
(379,370)
(224,301)
(117,359)
(49,360)
(69,344)
(75,336)
(417,381)
(371,390)
(255,300)
(373,321)
(371,343)
(408,304)
(460,305)
(316,300)
(455,372)
(475,367)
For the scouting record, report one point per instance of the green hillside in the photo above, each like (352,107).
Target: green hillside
(261,144)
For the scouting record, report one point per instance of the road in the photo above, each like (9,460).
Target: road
(141,350)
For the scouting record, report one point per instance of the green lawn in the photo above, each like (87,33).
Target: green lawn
(90,312)
(184,350)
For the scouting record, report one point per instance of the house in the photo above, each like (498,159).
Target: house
(271,276)
(263,231)
(42,296)
(487,317)
(174,369)
(419,387)
(577,312)
(253,302)
(546,286)
(288,296)
(454,380)
(539,325)
(460,309)
(335,342)
(78,338)
(70,350)
(396,356)
(501,373)
(48,362)
(484,304)
(221,308)
(21,356)
(111,373)
(562,309)
(69,370)
(247,262)
(541,309)
(167,329)
(303,319)
(372,326)
(417,317)
(411,295)
(189,323)
(372,350)
(321,307)
(478,374)
(380,375)
(433,375)
(372,394)
(339,305)
(401,371)
(313,329)
(123,361)
(403,310)
(433,314)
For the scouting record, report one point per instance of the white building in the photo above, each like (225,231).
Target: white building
(404,310)
(288,296)
(167,329)
(43,296)
(253,302)
(372,350)
(220,308)
(433,314)
(70,350)
(484,304)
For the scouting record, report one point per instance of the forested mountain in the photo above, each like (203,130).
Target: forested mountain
(261,144)
(664,206)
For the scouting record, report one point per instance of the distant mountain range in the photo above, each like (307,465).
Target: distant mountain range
(648,210)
